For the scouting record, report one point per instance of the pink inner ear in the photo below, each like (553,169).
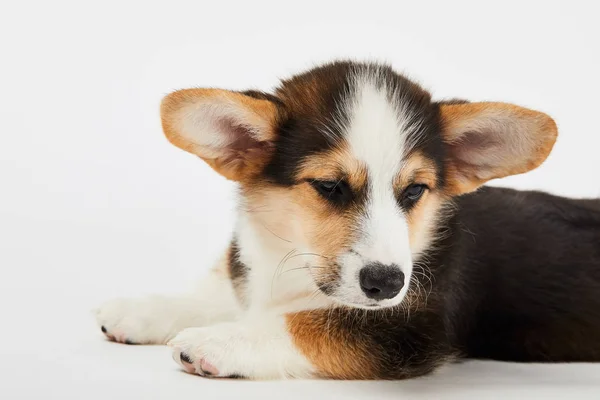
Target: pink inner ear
(478,148)
(480,154)
(494,140)
(240,143)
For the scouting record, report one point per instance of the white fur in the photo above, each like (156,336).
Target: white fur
(157,319)
(255,347)
(210,324)
(376,133)
(280,276)
(258,345)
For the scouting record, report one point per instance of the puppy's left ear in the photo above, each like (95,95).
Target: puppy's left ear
(233,132)
(492,140)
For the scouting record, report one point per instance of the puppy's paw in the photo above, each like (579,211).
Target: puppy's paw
(257,351)
(134,321)
(214,351)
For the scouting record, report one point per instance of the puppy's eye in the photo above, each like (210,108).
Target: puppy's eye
(338,192)
(412,194)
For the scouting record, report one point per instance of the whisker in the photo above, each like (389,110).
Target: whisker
(280,265)
(297,268)
(254,208)
(274,234)
(309,254)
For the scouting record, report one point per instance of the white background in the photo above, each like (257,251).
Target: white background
(94,203)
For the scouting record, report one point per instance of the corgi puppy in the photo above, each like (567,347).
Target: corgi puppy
(365,245)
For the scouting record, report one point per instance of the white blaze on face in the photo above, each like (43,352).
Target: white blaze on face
(375,134)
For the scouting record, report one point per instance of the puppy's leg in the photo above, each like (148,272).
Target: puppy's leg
(156,319)
(371,344)
(256,347)
(331,343)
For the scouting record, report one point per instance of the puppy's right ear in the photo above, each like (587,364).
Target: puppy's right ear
(233,132)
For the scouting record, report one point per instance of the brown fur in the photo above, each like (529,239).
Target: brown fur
(334,165)
(337,353)
(419,169)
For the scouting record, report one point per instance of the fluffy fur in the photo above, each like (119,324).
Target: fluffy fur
(365,247)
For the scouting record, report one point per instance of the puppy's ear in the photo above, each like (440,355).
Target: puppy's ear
(233,132)
(492,140)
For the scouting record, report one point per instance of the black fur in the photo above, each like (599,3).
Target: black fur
(531,264)
(238,271)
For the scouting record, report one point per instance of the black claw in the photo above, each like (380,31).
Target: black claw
(103,329)
(127,341)
(185,358)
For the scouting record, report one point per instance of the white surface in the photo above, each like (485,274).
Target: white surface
(95,203)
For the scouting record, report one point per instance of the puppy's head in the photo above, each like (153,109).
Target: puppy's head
(353,163)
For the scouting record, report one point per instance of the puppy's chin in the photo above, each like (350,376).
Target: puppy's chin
(367,304)
(355,298)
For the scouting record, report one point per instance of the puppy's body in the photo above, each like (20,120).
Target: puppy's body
(359,252)
(529,269)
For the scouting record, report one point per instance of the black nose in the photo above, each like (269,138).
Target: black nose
(380,282)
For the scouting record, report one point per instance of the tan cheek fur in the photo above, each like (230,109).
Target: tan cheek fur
(299,215)
(423,217)
(271,208)
(329,231)
(422,220)
(290,214)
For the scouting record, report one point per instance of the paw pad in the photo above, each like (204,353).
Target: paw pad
(203,368)
(116,338)
(185,358)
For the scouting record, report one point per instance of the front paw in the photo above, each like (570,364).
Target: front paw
(210,351)
(134,321)
(238,350)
